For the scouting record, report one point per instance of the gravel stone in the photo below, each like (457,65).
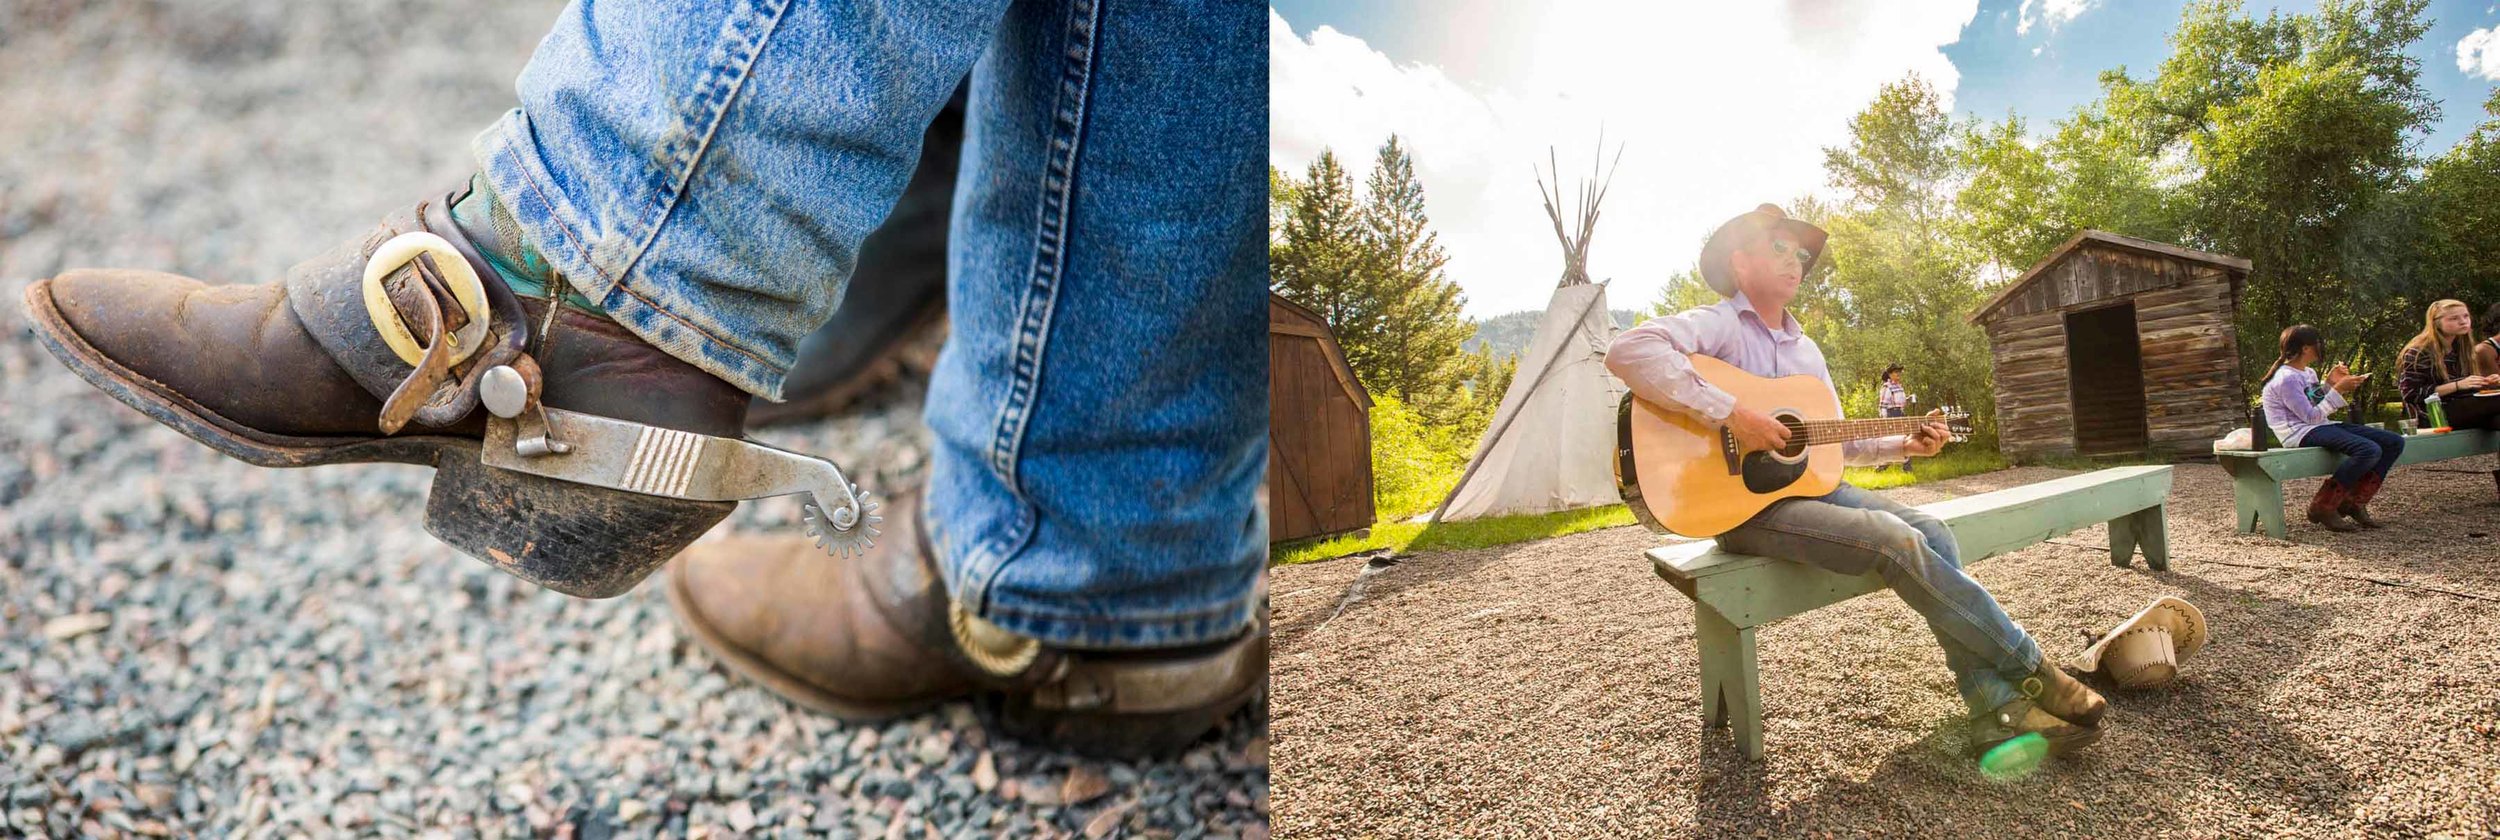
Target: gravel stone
(1550,689)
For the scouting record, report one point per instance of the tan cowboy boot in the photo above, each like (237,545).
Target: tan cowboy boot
(2062,695)
(374,352)
(875,637)
(2021,717)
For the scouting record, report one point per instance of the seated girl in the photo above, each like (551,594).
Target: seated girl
(2298,403)
(2439,361)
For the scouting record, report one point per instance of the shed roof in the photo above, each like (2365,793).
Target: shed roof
(2107,238)
(1318,328)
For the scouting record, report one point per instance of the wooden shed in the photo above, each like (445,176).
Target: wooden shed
(1319,438)
(2114,345)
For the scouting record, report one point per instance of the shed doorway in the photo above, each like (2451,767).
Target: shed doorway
(2105,370)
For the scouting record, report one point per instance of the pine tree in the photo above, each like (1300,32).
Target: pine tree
(1417,354)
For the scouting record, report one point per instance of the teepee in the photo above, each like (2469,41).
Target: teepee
(1549,445)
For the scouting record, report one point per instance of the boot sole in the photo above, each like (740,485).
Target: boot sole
(2056,746)
(774,679)
(534,528)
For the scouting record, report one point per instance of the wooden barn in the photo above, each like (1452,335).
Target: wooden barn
(1319,438)
(2114,345)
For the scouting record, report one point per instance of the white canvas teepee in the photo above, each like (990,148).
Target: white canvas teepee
(1549,445)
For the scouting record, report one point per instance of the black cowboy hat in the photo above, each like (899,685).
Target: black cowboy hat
(1714,253)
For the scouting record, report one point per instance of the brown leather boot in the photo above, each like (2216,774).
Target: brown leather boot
(2064,696)
(877,637)
(2357,504)
(2022,717)
(2324,508)
(331,366)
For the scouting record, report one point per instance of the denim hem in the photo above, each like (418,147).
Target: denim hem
(1070,630)
(508,155)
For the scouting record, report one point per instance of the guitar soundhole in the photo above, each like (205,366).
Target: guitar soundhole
(1796,448)
(1766,472)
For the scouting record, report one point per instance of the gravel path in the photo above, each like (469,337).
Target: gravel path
(189,644)
(1549,689)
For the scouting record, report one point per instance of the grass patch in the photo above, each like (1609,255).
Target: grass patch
(1405,537)
(1954,463)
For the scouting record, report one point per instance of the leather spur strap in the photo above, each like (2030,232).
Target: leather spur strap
(450,323)
(425,304)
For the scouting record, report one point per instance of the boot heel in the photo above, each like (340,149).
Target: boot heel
(584,541)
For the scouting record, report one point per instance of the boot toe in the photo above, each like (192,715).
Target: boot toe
(106,307)
(808,626)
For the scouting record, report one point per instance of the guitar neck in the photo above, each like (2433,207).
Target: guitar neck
(1819,432)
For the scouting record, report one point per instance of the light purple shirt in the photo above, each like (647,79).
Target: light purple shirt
(1650,359)
(2297,401)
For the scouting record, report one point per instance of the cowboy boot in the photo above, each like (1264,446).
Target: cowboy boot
(878,637)
(373,352)
(2062,695)
(2323,509)
(2023,716)
(2357,504)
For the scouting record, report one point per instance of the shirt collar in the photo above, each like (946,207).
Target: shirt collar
(1787,331)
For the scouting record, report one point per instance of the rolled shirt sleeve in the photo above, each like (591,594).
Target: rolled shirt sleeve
(1875,451)
(1650,359)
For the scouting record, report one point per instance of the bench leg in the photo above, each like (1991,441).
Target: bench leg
(2146,530)
(2260,503)
(1731,684)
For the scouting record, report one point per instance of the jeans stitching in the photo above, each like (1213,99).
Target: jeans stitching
(1041,294)
(614,284)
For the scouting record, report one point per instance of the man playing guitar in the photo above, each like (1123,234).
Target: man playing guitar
(1755,262)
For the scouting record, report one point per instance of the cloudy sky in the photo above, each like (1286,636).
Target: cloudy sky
(1718,106)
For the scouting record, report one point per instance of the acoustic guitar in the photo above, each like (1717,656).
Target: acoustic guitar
(1681,474)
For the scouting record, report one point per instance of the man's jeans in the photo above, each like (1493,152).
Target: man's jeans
(705,171)
(1851,531)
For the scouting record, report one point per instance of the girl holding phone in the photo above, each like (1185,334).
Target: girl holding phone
(2299,403)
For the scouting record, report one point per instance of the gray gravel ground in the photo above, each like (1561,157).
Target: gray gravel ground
(1550,689)
(192,645)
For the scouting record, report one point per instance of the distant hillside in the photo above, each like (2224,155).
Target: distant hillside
(1509,334)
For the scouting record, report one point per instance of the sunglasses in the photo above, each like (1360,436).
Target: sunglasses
(1783,248)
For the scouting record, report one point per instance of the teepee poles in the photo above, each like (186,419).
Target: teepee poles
(1575,239)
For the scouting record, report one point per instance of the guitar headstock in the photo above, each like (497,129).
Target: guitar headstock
(1956,423)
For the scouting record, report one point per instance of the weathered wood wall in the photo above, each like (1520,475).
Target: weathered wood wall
(2184,311)
(1319,465)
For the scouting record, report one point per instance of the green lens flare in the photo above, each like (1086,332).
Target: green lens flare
(2015,758)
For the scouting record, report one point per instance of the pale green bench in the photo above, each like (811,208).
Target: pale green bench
(2257,477)
(1735,593)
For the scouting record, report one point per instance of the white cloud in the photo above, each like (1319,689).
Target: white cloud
(1719,107)
(2053,14)
(2478,53)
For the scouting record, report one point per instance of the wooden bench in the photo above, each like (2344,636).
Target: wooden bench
(2257,477)
(1735,593)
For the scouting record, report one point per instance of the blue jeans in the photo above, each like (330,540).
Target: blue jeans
(705,172)
(2367,450)
(1852,531)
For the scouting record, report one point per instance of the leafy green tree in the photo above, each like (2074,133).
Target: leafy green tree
(1899,283)
(2457,205)
(1416,353)
(1369,262)
(2021,201)
(2298,132)
(1319,260)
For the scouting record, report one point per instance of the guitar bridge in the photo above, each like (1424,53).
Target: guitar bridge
(1727,448)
